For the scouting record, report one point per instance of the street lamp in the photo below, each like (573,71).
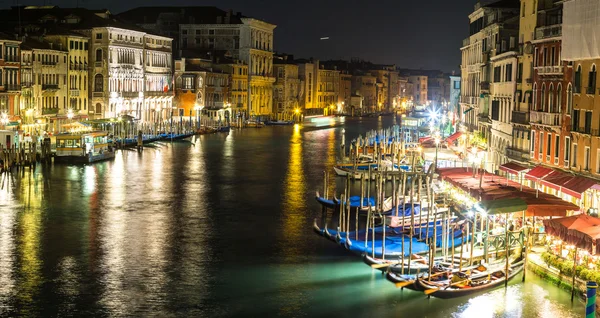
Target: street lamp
(297,111)
(198,109)
(4,120)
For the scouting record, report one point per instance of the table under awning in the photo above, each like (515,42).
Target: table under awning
(508,205)
(512,168)
(537,173)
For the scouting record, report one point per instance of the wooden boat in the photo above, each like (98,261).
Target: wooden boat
(254,124)
(279,123)
(83,147)
(355,203)
(418,262)
(466,284)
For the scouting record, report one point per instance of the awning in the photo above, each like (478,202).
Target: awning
(508,205)
(512,168)
(577,186)
(468,110)
(556,180)
(453,137)
(423,139)
(537,173)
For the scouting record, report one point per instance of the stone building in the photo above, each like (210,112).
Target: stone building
(365,86)
(10,77)
(547,119)
(44,84)
(328,85)
(287,88)
(247,39)
(419,92)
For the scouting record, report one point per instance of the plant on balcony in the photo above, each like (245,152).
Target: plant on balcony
(478,140)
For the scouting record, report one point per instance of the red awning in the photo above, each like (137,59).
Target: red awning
(556,180)
(454,136)
(577,186)
(512,168)
(537,173)
(424,139)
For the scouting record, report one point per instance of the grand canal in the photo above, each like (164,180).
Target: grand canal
(220,226)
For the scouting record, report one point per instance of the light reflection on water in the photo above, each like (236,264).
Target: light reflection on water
(220,226)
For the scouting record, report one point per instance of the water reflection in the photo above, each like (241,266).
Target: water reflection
(8,212)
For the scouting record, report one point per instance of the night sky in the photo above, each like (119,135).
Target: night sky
(409,33)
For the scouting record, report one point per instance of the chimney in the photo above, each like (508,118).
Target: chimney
(228,16)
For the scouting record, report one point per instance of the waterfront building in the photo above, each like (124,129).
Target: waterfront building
(77,91)
(247,39)
(202,89)
(328,85)
(365,86)
(493,30)
(10,77)
(548,119)
(502,94)
(287,88)
(44,71)
(438,89)
(454,102)
(345,94)
(518,150)
(419,85)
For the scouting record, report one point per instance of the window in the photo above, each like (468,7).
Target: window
(495,110)
(535,58)
(552,55)
(586,158)
(534,104)
(551,98)
(184,32)
(574,152)
(98,83)
(569,99)
(592,80)
(545,57)
(597,160)
(543,97)
(578,80)
(188,82)
(508,71)
(588,122)
(497,75)
(99,55)
(549,144)
(567,150)
(575,123)
(558,98)
(520,72)
(541,149)
(523,10)
(98,36)
(85,46)
(457,85)
(556,146)
(71,46)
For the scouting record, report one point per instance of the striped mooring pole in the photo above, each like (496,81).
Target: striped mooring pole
(590,307)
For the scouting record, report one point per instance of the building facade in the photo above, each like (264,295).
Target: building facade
(286,90)
(419,85)
(10,77)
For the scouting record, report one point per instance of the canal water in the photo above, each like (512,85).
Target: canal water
(216,227)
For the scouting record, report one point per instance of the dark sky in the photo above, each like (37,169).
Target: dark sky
(410,33)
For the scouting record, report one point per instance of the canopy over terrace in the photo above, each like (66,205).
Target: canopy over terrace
(495,188)
(580,230)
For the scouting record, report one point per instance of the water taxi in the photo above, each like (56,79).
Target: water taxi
(83,147)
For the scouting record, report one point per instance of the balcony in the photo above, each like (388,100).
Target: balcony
(74,93)
(10,87)
(520,118)
(157,93)
(97,94)
(46,87)
(550,31)
(547,119)
(469,100)
(129,94)
(26,84)
(485,86)
(12,59)
(517,154)
(550,70)
(49,63)
(98,64)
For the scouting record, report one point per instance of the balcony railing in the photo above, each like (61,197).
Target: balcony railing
(26,84)
(10,87)
(520,117)
(550,70)
(98,64)
(74,92)
(548,119)
(485,85)
(550,31)
(517,154)
(157,93)
(49,63)
(49,86)
(97,94)
(12,59)
(129,94)
(469,100)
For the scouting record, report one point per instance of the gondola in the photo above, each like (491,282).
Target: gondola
(417,261)
(464,285)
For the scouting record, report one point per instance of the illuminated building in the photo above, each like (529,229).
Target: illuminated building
(286,90)
(10,76)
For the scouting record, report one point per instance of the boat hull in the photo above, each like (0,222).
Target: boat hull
(85,159)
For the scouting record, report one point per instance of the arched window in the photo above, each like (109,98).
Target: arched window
(551,98)
(543,97)
(578,80)
(98,108)
(569,99)
(591,89)
(534,105)
(98,83)
(558,98)
(99,55)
